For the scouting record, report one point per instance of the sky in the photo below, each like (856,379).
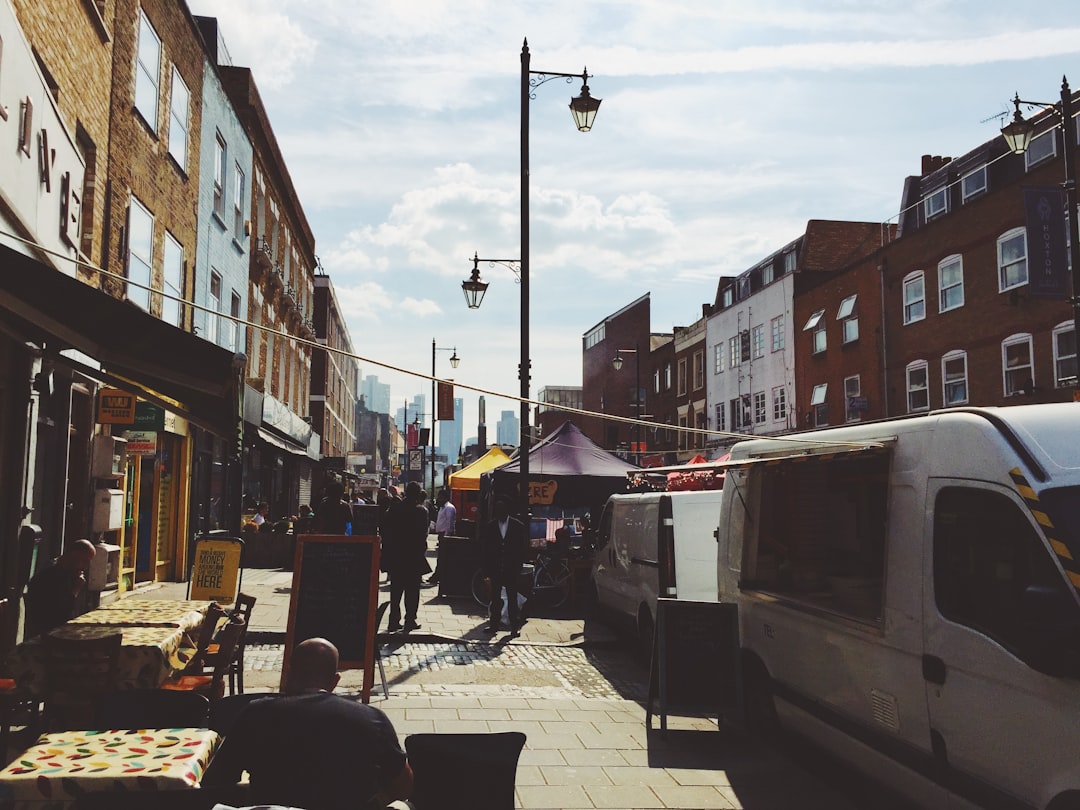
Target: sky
(725,126)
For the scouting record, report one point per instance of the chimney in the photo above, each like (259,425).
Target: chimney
(931,163)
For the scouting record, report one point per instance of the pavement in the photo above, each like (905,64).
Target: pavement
(571,686)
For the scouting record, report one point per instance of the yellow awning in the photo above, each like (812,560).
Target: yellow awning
(469,477)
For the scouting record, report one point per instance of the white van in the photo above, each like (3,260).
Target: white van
(655,544)
(907,596)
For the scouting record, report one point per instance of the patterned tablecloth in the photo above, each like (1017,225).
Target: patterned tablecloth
(136,617)
(59,767)
(148,655)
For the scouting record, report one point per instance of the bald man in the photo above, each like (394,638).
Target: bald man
(53,592)
(313,749)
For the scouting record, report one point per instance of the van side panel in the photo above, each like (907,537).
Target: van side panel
(696,518)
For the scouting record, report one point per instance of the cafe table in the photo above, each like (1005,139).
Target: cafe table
(149,655)
(61,766)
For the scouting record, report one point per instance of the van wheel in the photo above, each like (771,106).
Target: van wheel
(644,635)
(760,709)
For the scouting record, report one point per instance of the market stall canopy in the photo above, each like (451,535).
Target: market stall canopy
(469,477)
(697,479)
(566,468)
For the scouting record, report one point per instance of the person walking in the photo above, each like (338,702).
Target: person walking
(407,557)
(445,523)
(333,515)
(504,546)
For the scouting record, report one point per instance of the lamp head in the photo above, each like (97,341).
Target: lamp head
(617,362)
(1018,132)
(454,359)
(584,107)
(474,288)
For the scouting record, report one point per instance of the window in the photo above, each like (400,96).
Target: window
(238,203)
(1012,260)
(140,254)
(682,376)
(174,282)
(215,305)
(954,378)
(1042,147)
(914,298)
(728,296)
(699,369)
(759,408)
(950,283)
(988,559)
(718,357)
(178,120)
(768,273)
(819,406)
(148,72)
(814,320)
(1017,365)
(740,412)
(1064,355)
(777,325)
(779,404)
(973,183)
(656,380)
(667,377)
(849,317)
(734,351)
(789,261)
(592,337)
(853,409)
(936,203)
(684,438)
(757,340)
(720,423)
(219,176)
(918,391)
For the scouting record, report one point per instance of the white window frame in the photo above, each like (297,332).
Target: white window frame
(1015,375)
(936,203)
(721,423)
(757,341)
(918,393)
(718,357)
(727,297)
(779,400)
(239,182)
(214,296)
(656,380)
(220,167)
(761,412)
(953,289)
(148,72)
(852,388)
(913,300)
(974,183)
(1010,237)
(1042,148)
(734,351)
(951,381)
(179,119)
(140,254)
(768,274)
(848,315)
(814,320)
(778,336)
(790,260)
(172,267)
(1062,380)
(819,405)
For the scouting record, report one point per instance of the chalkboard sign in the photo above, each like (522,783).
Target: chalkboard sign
(696,662)
(335,588)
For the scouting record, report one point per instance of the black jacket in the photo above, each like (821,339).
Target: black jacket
(503,557)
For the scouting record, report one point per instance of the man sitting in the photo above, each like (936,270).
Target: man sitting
(53,593)
(312,749)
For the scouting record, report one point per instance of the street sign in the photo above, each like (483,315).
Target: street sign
(416,459)
(115,407)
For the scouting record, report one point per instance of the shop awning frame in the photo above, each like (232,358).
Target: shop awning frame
(164,364)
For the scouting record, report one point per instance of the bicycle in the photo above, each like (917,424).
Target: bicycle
(550,582)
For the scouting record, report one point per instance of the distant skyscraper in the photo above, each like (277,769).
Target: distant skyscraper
(376,394)
(450,433)
(508,429)
(417,407)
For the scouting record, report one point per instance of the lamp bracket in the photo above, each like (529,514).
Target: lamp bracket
(545,76)
(513,265)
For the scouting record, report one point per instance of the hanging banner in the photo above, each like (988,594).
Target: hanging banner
(1047,264)
(445,409)
(115,407)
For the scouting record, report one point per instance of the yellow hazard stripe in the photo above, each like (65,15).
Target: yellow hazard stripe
(1060,549)
(1031,499)
(1075,578)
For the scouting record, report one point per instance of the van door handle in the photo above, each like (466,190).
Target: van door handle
(933,669)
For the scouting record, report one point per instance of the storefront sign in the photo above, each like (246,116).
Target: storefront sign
(215,570)
(115,407)
(543,492)
(141,442)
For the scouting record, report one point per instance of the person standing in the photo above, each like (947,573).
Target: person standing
(504,546)
(407,560)
(333,515)
(445,523)
(311,748)
(53,592)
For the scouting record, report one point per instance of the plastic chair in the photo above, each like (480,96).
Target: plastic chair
(213,686)
(223,713)
(77,671)
(477,770)
(151,708)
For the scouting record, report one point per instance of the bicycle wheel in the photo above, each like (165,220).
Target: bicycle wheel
(552,583)
(481,590)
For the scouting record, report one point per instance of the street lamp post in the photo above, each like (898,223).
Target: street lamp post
(583,108)
(1018,134)
(617,362)
(454,360)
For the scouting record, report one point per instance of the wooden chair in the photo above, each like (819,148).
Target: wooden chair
(151,708)
(13,700)
(214,614)
(77,672)
(478,770)
(213,685)
(242,609)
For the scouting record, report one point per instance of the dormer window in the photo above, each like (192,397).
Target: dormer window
(1043,147)
(973,183)
(935,204)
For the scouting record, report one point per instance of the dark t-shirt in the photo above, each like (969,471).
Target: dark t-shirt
(319,751)
(50,599)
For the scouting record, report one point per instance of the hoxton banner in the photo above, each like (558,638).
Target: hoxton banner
(1047,264)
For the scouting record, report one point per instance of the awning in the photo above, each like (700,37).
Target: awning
(138,352)
(284,444)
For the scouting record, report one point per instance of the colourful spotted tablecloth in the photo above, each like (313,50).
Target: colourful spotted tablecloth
(136,617)
(62,766)
(148,655)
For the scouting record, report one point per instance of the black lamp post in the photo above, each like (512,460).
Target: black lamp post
(454,360)
(583,108)
(617,362)
(1018,134)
